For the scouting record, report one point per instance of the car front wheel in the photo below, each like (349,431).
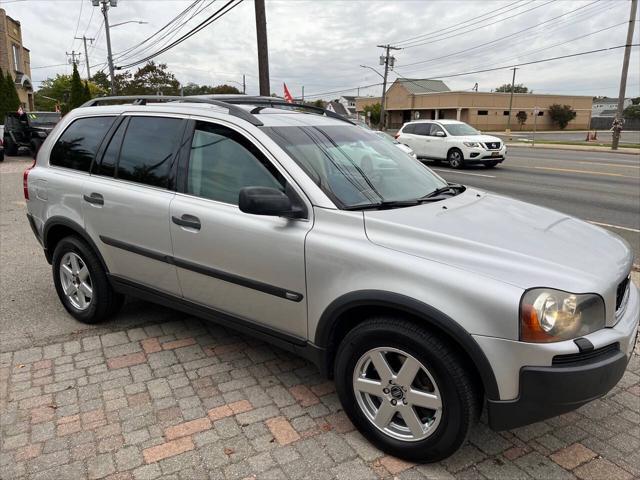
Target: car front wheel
(405,389)
(456,160)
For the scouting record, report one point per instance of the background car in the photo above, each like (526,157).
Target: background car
(455,142)
(27,130)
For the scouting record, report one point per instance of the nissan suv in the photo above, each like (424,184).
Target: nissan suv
(423,300)
(455,142)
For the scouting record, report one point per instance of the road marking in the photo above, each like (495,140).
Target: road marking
(618,165)
(464,173)
(588,172)
(629,229)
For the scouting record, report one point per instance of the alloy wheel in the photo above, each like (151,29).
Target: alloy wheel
(397,394)
(76,281)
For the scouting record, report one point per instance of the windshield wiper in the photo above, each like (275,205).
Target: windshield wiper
(384,205)
(454,188)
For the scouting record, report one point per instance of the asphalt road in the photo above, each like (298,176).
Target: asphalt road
(602,188)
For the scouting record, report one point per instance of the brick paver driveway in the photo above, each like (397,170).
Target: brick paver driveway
(190,400)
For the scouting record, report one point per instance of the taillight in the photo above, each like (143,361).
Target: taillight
(396,136)
(25,181)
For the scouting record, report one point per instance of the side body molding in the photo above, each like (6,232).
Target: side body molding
(77,229)
(431,317)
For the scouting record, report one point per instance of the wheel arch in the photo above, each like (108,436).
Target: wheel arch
(350,310)
(454,148)
(56,228)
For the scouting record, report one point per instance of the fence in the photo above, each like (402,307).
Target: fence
(604,123)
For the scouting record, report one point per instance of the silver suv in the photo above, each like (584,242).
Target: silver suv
(423,300)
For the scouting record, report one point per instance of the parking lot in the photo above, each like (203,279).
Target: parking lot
(158,394)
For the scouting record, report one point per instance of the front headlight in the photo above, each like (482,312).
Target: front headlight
(471,144)
(548,315)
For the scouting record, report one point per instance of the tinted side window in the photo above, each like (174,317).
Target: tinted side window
(411,128)
(422,128)
(79,143)
(107,166)
(148,150)
(222,162)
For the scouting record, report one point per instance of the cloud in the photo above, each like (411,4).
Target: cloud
(321,44)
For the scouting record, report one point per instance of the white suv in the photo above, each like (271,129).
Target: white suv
(423,300)
(456,142)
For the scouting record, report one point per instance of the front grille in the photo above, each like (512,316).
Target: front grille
(582,357)
(621,290)
(493,145)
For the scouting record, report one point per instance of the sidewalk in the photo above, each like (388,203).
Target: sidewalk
(578,148)
(191,400)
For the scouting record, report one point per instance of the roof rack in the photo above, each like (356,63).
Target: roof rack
(143,99)
(229,102)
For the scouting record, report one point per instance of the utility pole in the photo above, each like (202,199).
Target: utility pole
(263,49)
(388,62)
(86,53)
(244,84)
(303,94)
(73,56)
(105,13)
(617,123)
(513,83)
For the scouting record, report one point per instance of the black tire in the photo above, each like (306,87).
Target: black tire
(10,148)
(461,405)
(34,146)
(105,302)
(1,154)
(491,164)
(455,158)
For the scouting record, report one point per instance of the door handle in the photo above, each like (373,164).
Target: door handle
(94,198)
(188,221)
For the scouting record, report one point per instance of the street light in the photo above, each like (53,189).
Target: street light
(373,69)
(129,21)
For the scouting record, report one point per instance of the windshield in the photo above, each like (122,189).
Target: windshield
(355,168)
(460,129)
(43,118)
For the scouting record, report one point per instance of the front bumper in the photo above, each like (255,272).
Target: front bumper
(481,155)
(533,384)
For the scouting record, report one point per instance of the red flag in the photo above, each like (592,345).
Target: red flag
(20,110)
(287,96)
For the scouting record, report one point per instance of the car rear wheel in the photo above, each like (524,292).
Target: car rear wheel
(11,149)
(81,282)
(455,158)
(405,389)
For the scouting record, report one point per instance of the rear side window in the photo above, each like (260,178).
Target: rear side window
(149,149)
(79,143)
(411,128)
(422,128)
(107,166)
(435,129)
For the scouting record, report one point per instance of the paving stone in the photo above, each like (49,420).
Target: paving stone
(601,468)
(539,466)
(100,466)
(570,457)
(112,339)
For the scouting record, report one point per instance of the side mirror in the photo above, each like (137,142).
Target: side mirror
(440,134)
(266,201)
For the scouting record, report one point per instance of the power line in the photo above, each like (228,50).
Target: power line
(320,94)
(496,40)
(50,66)
(455,25)
(208,21)
(73,41)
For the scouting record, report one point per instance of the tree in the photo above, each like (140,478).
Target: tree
(521,116)
(319,103)
(374,119)
(635,101)
(518,88)
(561,114)
(87,92)
(12,98)
(76,96)
(632,111)
(152,79)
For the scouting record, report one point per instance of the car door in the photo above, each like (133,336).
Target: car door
(127,199)
(422,140)
(438,141)
(249,266)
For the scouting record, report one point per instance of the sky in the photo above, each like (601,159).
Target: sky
(321,44)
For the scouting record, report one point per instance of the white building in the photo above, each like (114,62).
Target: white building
(607,107)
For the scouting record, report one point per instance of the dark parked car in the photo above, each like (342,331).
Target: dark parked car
(27,130)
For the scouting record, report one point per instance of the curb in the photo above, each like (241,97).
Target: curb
(577,148)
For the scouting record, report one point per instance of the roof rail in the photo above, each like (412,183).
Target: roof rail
(264,102)
(229,102)
(143,99)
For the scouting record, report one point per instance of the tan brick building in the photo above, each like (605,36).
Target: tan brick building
(413,99)
(15,58)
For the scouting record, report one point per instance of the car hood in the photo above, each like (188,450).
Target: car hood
(505,239)
(478,138)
